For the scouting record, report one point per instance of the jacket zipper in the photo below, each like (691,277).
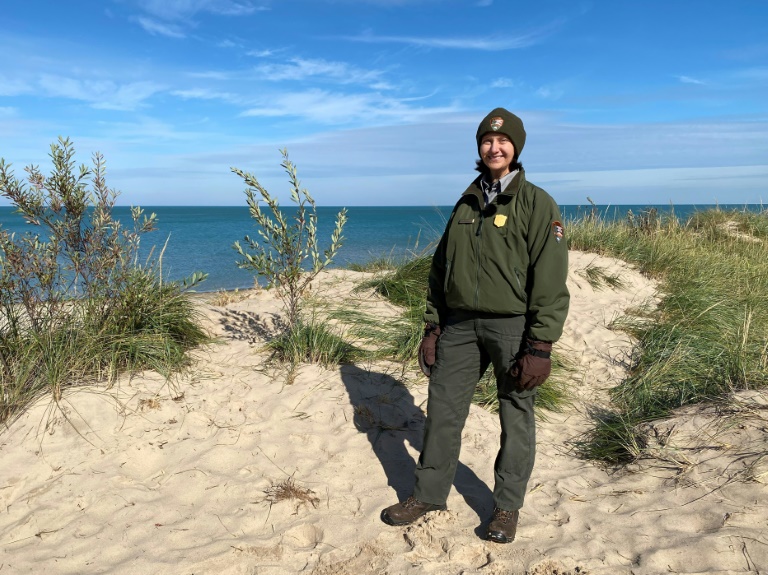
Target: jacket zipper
(520,286)
(478,240)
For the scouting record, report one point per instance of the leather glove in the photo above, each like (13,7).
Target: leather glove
(533,364)
(427,348)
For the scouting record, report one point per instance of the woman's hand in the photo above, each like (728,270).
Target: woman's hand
(428,348)
(533,364)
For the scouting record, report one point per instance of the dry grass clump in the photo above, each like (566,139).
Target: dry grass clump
(223,298)
(287,490)
(598,277)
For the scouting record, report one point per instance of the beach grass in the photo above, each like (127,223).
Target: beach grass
(151,326)
(312,341)
(708,336)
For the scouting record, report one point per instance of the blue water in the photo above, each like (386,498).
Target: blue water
(200,238)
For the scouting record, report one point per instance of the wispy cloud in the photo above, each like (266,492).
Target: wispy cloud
(174,10)
(101,94)
(691,80)
(228,44)
(549,93)
(503,83)
(340,109)
(300,69)
(172,18)
(211,75)
(206,94)
(7,111)
(259,53)
(13,86)
(160,29)
(487,43)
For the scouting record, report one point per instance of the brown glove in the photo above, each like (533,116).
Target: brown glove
(427,348)
(533,364)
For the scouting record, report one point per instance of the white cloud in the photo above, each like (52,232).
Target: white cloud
(549,93)
(13,87)
(101,94)
(488,43)
(158,28)
(335,108)
(690,80)
(211,75)
(259,53)
(300,69)
(503,83)
(205,94)
(484,43)
(185,9)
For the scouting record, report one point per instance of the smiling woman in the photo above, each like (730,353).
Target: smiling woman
(497,296)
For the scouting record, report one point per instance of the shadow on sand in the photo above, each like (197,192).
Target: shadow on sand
(386,412)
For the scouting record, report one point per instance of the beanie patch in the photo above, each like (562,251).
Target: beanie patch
(502,121)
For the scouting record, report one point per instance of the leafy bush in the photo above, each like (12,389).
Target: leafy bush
(280,256)
(76,305)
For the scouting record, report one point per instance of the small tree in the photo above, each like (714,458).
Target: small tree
(280,257)
(75,248)
(76,306)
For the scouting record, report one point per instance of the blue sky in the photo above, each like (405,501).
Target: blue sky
(377,101)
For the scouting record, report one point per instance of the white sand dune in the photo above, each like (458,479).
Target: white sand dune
(186,480)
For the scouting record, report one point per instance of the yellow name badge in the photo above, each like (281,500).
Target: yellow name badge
(499,220)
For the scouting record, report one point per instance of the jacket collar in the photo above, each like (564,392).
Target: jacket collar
(512,188)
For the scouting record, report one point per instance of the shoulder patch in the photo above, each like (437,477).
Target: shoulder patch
(557,230)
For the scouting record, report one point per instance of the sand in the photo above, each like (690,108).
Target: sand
(196,478)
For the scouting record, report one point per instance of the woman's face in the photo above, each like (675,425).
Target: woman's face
(497,152)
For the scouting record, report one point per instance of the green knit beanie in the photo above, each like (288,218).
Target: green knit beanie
(502,121)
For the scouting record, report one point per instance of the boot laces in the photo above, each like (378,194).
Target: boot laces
(502,515)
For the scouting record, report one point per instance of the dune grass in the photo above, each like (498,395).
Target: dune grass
(312,341)
(708,337)
(76,306)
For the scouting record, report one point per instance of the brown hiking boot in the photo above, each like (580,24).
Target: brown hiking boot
(408,511)
(503,526)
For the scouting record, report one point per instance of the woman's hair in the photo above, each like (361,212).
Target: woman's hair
(483,169)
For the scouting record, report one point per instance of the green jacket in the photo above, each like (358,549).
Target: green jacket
(509,258)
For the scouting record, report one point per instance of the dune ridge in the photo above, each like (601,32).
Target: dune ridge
(198,477)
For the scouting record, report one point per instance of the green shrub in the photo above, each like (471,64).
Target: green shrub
(76,306)
(312,341)
(280,256)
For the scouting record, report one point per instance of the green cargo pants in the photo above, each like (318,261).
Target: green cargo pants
(468,344)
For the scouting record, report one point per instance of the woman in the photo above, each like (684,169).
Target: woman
(497,295)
